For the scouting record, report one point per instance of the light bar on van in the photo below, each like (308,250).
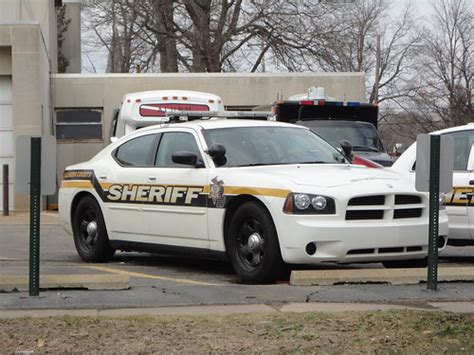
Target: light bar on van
(326,103)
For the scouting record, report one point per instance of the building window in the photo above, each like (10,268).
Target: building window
(84,124)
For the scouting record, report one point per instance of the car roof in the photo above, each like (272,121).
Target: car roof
(469,126)
(221,123)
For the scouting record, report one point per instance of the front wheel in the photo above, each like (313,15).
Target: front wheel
(90,234)
(252,244)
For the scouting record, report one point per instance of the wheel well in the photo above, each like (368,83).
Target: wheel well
(234,204)
(76,200)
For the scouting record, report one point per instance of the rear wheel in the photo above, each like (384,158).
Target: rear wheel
(252,245)
(401,264)
(90,234)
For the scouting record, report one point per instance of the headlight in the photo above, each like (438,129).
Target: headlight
(299,203)
(302,201)
(319,202)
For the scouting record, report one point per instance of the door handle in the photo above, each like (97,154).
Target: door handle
(471,182)
(102,177)
(152,179)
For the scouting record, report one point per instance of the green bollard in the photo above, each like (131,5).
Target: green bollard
(35,205)
(434,212)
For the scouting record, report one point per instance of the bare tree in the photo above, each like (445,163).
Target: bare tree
(443,80)
(116,28)
(449,63)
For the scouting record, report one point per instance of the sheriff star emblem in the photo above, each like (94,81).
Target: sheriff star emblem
(217,192)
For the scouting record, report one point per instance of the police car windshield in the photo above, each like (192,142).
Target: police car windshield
(254,146)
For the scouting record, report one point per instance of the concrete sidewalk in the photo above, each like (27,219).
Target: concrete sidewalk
(454,307)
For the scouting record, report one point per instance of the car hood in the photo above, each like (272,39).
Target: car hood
(330,175)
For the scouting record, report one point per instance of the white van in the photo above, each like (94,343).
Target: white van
(148,108)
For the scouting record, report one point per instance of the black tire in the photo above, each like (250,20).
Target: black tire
(405,264)
(91,246)
(260,262)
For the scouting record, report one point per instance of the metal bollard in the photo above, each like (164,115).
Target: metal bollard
(6,199)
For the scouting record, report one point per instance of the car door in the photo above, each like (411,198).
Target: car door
(459,209)
(123,187)
(178,214)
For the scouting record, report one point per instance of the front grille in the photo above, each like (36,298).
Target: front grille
(364,214)
(367,201)
(400,250)
(390,250)
(407,199)
(390,206)
(360,251)
(408,213)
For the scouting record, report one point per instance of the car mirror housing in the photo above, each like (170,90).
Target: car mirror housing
(186,158)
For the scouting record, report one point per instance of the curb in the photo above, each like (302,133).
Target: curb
(76,281)
(391,276)
(454,307)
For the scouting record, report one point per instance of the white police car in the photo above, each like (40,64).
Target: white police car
(459,202)
(258,193)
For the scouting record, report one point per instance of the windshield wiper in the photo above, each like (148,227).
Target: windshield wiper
(262,164)
(363,148)
(313,162)
(253,164)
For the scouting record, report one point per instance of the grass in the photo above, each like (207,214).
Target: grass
(354,332)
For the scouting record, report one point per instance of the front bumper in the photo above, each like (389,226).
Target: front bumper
(354,241)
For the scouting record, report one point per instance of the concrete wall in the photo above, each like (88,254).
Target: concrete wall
(236,89)
(31,96)
(34,11)
(71,46)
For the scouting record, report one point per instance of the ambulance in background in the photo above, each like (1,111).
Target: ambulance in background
(355,122)
(148,108)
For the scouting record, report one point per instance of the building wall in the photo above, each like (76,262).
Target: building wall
(238,90)
(41,12)
(71,46)
(24,52)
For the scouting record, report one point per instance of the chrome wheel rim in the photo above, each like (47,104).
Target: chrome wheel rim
(89,229)
(251,243)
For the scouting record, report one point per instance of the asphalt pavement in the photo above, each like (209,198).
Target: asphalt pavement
(165,281)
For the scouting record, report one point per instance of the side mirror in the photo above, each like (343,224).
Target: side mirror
(217,153)
(186,158)
(346,147)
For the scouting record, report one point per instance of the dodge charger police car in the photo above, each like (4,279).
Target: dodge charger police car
(257,193)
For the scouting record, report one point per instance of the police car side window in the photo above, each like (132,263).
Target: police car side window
(463,141)
(173,142)
(136,151)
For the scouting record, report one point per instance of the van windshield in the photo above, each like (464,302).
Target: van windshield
(363,136)
(254,146)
